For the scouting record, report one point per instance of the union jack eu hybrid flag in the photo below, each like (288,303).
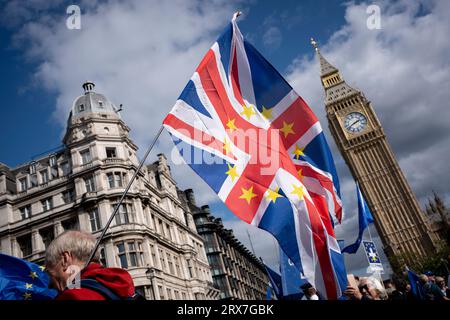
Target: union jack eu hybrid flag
(258,145)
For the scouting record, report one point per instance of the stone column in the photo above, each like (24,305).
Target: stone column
(58,229)
(36,242)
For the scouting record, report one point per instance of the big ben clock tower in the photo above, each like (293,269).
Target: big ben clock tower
(360,137)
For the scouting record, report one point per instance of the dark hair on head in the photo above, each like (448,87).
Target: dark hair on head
(400,284)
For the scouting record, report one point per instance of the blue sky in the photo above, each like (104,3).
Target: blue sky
(137,55)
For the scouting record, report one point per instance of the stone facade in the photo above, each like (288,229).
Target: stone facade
(357,131)
(236,272)
(153,236)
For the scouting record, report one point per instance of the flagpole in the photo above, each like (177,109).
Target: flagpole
(116,208)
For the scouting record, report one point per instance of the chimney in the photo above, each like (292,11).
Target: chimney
(190,196)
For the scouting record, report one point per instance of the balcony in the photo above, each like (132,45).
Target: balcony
(114,161)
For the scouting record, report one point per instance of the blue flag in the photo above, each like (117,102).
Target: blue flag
(416,288)
(291,279)
(275,281)
(365,218)
(23,280)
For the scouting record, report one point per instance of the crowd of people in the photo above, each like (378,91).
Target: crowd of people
(429,287)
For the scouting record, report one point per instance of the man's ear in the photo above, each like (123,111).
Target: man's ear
(66,260)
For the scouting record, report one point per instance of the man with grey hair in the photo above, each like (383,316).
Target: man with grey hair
(65,259)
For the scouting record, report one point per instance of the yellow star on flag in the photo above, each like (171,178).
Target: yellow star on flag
(231,125)
(42,268)
(28,286)
(247,194)
(298,190)
(273,195)
(287,129)
(27,296)
(267,113)
(33,274)
(232,172)
(248,111)
(298,152)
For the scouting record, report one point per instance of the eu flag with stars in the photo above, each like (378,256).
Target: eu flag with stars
(23,280)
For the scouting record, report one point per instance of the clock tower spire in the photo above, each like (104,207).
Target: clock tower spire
(359,135)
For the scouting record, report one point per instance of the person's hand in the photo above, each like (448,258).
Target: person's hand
(352,292)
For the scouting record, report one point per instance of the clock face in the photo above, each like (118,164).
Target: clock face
(355,122)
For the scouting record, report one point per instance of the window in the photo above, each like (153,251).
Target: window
(161,293)
(47,235)
(100,103)
(133,254)
(122,214)
(103,260)
(44,176)
(169,294)
(68,196)
(81,108)
(25,245)
(65,168)
(94,220)
(70,224)
(130,254)
(122,255)
(191,274)
(111,153)
(23,184)
(162,259)
(25,212)
(183,295)
(116,179)
(47,204)
(33,180)
(169,234)
(153,253)
(177,294)
(85,156)
(177,266)
(170,263)
(90,184)
(54,172)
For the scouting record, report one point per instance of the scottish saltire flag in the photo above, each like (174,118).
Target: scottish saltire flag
(23,280)
(364,218)
(258,145)
(291,278)
(275,282)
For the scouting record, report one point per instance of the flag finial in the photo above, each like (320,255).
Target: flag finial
(236,14)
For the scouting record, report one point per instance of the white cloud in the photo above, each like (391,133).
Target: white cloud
(272,37)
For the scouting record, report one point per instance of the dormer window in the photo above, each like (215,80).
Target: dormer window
(111,153)
(81,108)
(100,104)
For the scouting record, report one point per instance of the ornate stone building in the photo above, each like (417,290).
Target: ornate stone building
(77,187)
(354,125)
(236,272)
